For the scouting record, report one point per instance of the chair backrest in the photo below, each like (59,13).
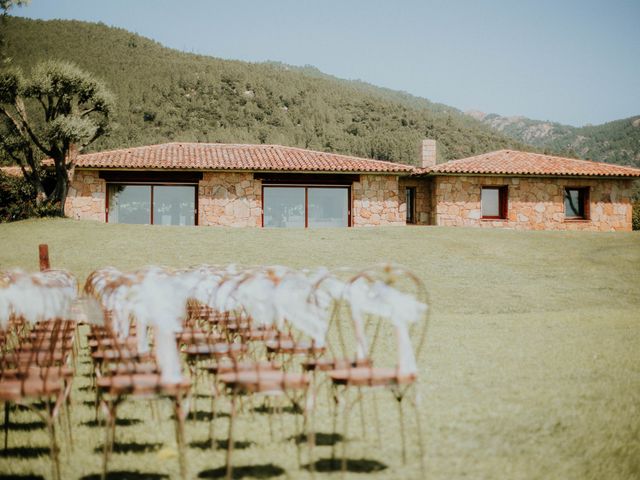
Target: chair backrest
(383,318)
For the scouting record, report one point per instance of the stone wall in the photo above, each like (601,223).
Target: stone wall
(376,201)
(533,203)
(423,198)
(230,200)
(87,196)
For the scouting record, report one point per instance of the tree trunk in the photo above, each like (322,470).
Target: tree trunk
(63,177)
(41,195)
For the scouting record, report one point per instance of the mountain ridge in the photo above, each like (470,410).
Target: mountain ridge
(166,95)
(617,141)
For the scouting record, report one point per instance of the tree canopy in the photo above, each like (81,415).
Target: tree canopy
(56,112)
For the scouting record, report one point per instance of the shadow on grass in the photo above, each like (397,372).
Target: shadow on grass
(26,476)
(132,447)
(38,405)
(24,452)
(87,388)
(126,475)
(120,422)
(290,409)
(322,439)
(202,395)
(361,465)
(26,426)
(221,444)
(267,470)
(202,416)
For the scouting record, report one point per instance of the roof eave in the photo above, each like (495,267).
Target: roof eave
(530,175)
(244,170)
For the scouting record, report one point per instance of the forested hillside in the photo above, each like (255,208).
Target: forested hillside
(614,142)
(165,95)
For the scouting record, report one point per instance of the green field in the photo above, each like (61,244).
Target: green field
(532,368)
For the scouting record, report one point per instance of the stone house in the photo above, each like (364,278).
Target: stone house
(235,185)
(277,186)
(530,191)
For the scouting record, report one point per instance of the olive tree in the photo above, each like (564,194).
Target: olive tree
(55,113)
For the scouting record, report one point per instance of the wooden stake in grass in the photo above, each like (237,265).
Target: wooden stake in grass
(43,249)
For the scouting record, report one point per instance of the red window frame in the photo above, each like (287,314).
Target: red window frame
(583,199)
(503,202)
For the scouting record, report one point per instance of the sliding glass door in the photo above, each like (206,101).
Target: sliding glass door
(328,207)
(152,204)
(129,204)
(174,205)
(285,206)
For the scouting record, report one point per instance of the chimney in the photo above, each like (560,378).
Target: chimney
(428,153)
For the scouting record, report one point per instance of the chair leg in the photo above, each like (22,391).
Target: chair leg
(180,439)
(279,412)
(55,454)
(297,429)
(361,405)
(402,434)
(309,422)
(334,403)
(269,411)
(97,400)
(345,432)
(193,369)
(414,403)
(377,418)
(232,416)
(212,421)
(7,406)
(105,449)
(67,411)
(109,436)
(152,411)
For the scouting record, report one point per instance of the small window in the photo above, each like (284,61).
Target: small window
(411,204)
(576,203)
(494,202)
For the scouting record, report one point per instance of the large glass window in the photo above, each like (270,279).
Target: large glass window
(152,204)
(173,205)
(284,207)
(306,206)
(129,204)
(328,207)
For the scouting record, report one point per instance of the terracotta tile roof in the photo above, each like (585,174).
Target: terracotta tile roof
(512,162)
(216,156)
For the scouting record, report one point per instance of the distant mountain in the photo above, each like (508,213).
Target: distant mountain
(613,142)
(166,95)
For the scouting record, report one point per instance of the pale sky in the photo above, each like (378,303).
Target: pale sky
(571,61)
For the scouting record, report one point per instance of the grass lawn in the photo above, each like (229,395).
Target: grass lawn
(532,369)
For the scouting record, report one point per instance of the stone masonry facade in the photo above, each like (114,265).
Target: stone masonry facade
(87,196)
(534,203)
(234,199)
(376,201)
(230,200)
